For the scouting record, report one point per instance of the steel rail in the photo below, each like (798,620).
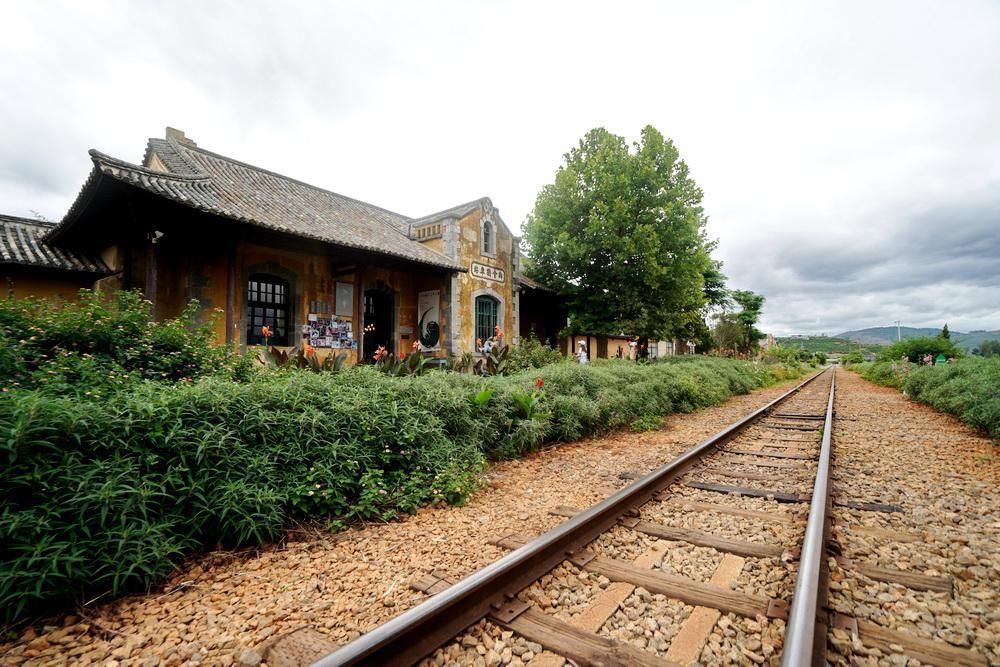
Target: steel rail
(803,644)
(415,633)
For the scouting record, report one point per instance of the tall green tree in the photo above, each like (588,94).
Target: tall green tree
(750,305)
(621,234)
(945,333)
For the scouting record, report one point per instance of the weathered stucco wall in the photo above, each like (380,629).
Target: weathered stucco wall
(475,282)
(54,285)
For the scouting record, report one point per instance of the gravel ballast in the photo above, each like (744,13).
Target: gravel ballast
(945,477)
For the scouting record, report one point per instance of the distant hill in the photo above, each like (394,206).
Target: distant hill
(825,344)
(887,336)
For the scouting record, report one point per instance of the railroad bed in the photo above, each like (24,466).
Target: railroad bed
(698,561)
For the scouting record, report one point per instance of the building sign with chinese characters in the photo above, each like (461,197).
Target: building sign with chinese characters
(485,272)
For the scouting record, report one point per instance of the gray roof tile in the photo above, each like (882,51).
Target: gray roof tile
(226,187)
(22,241)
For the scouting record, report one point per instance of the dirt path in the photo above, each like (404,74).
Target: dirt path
(349,583)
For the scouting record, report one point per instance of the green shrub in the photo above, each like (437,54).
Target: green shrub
(885,373)
(855,357)
(916,348)
(968,388)
(532,353)
(100,345)
(646,423)
(106,492)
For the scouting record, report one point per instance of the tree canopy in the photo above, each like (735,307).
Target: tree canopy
(738,331)
(621,234)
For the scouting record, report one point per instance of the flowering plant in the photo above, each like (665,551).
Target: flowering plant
(527,405)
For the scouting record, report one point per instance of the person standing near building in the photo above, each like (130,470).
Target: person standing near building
(581,352)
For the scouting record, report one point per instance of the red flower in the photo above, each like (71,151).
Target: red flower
(380,353)
(265,331)
(539,383)
(310,350)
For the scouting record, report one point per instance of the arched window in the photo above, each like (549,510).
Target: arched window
(267,305)
(487,316)
(488,237)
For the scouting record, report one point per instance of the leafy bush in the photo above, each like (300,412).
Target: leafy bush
(968,388)
(988,348)
(885,373)
(855,357)
(98,345)
(106,492)
(646,423)
(532,353)
(916,348)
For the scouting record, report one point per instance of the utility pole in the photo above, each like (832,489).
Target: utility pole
(898,336)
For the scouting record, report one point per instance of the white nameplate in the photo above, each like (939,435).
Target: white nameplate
(485,272)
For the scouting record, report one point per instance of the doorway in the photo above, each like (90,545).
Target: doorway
(378,327)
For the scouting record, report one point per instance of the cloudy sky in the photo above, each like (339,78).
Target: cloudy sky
(849,151)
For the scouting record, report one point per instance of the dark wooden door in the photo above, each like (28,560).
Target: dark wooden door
(378,322)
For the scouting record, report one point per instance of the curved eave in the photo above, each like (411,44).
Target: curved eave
(94,271)
(163,185)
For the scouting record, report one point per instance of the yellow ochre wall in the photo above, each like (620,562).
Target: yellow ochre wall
(468,229)
(52,285)
(184,274)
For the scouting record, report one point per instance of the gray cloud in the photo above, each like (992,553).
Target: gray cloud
(848,151)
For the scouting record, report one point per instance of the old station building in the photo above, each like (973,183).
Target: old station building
(264,249)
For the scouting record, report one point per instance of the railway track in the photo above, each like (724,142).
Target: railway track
(748,509)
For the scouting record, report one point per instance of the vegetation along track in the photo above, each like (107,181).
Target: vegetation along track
(623,582)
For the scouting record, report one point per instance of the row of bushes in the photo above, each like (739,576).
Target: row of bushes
(108,493)
(968,388)
(128,444)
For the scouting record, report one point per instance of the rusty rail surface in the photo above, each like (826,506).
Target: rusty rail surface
(805,634)
(417,632)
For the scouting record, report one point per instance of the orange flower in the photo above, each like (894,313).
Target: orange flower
(402,356)
(539,383)
(498,332)
(310,350)
(265,331)
(380,353)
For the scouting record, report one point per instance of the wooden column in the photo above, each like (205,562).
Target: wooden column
(231,294)
(151,272)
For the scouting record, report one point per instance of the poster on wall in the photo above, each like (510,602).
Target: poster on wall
(428,318)
(345,299)
(334,333)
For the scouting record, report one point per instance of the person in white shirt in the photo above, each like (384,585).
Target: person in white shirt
(581,353)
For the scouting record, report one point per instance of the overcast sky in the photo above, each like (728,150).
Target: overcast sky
(849,152)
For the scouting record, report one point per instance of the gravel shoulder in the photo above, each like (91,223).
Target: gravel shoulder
(215,608)
(945,477)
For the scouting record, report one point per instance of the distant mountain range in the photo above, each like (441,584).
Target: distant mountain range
(887,336)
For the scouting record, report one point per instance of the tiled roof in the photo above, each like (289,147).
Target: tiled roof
(222,186)
(457,212)
(531,284)
(22,241)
